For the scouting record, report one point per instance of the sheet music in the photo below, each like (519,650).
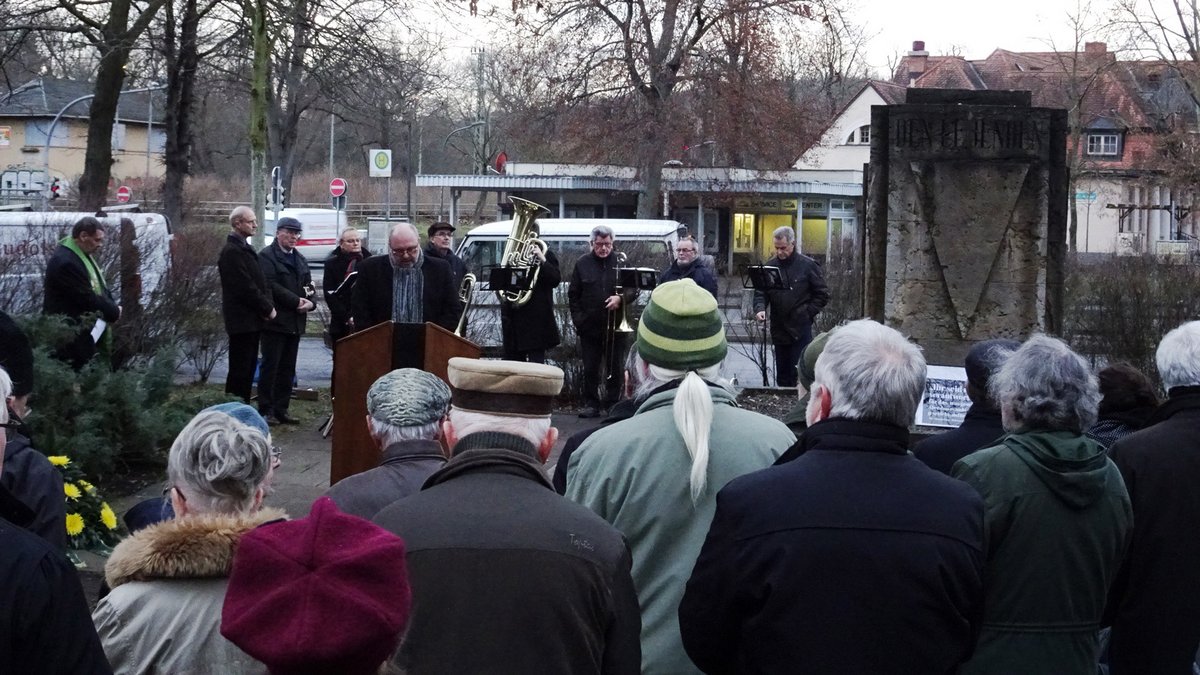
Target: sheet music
(98,330)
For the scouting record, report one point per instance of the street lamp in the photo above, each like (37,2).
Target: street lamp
(54,124)
(472,125)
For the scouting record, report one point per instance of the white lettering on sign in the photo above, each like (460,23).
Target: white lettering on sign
(944,402)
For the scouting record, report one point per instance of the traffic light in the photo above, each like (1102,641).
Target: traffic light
(278,196)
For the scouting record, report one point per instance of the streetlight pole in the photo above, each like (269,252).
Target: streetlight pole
(445,143)
(54,124)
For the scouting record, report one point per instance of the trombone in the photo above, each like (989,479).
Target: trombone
(615,333)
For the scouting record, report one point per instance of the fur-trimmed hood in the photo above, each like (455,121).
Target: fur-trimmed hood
(191,547)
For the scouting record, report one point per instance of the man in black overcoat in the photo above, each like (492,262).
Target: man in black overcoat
(1154,603)
(246,303)
(793,307)
(286,272)
(75,287)
(531,330)
(854,557)
(426,285)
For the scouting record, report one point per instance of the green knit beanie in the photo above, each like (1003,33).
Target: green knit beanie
(681,328)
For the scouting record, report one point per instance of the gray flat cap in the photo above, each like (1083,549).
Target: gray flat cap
(408,398)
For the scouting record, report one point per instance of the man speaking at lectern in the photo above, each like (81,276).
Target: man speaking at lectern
(405,285)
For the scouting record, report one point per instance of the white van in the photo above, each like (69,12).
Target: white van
(645,243)
(29,238)
(322,227)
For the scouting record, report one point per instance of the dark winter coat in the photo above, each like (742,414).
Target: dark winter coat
(245,297)
(337,266)
(372,298)
(703,275)
(592,281)
(31,478)
(68,292)
(534,326)
(402,471)
(1154,605)
(543,584)
(458,268)
(793,308)
(981,428)
(1058,523)
(289,280)
(45,627)
(1114,426)
(852,558)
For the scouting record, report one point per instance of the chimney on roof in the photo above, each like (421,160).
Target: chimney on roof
(1095,48)
(917,61)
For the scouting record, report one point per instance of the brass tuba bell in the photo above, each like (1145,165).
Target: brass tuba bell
(518,250)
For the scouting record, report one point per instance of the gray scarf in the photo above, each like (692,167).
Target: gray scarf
(408,291)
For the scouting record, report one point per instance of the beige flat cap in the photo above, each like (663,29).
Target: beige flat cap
(503,387)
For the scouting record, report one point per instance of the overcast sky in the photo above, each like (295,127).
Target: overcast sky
(972,28)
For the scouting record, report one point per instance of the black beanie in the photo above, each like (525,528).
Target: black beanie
(16,355)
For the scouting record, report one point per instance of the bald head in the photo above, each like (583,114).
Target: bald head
(405,245)
(243,221)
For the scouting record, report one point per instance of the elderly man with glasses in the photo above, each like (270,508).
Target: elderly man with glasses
(246,302)
(687,265)
(405,286)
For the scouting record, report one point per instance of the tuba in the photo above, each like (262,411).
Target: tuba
(518,250)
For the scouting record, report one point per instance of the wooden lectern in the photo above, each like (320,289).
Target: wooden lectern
(365,357)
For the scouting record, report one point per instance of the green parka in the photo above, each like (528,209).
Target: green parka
(1057,521)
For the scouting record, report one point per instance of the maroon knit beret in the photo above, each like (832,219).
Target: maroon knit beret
(324,594)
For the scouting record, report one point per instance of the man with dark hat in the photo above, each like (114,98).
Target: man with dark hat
(286,272)
(246,304)
(405,409)
(544,583)
(75,288)
(441,245)
(982,424)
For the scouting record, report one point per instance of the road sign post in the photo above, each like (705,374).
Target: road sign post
(379,165)
(337,193)
(124,194)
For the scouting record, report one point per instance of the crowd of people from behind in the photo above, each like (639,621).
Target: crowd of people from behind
(1050,533)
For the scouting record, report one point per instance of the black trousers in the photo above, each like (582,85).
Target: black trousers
(243,357)
(531,356)
(786,358)
(277,372)
(591,350)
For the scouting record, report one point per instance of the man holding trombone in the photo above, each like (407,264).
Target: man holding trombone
(596,311)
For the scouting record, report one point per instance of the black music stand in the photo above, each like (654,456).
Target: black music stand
(510,279)
(641,278)
(763,278)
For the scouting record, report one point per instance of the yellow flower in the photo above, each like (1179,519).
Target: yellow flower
(88,487)
(71,490)
(107,516)
(74,524)
(59,460)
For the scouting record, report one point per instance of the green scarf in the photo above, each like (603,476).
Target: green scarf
(93,270)
(99,287)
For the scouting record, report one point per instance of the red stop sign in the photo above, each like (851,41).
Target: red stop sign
(124,194)
(337,187)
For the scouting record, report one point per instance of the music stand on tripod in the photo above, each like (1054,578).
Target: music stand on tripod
(764,278)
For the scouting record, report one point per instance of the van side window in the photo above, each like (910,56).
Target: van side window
(481,256)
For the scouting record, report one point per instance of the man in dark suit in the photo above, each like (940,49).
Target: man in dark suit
(246,303)
(75,286)
(405,286)
(529,331)
(286,272)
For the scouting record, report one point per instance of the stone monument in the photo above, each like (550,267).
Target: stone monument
(965,218)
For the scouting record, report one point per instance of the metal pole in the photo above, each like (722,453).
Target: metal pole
(50,135)
(331,119)
(149,135)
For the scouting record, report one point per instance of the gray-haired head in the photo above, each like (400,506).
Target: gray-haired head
(1044,386)
(1178,357)
(219,463)
(407,404)
(872,373)
(238,213)
(403,227)
(784,233)
(601,232)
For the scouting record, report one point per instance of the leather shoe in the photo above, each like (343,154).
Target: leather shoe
(589,411)
(272,420)
(283,417)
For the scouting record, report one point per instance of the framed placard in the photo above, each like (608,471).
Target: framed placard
(944,402)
